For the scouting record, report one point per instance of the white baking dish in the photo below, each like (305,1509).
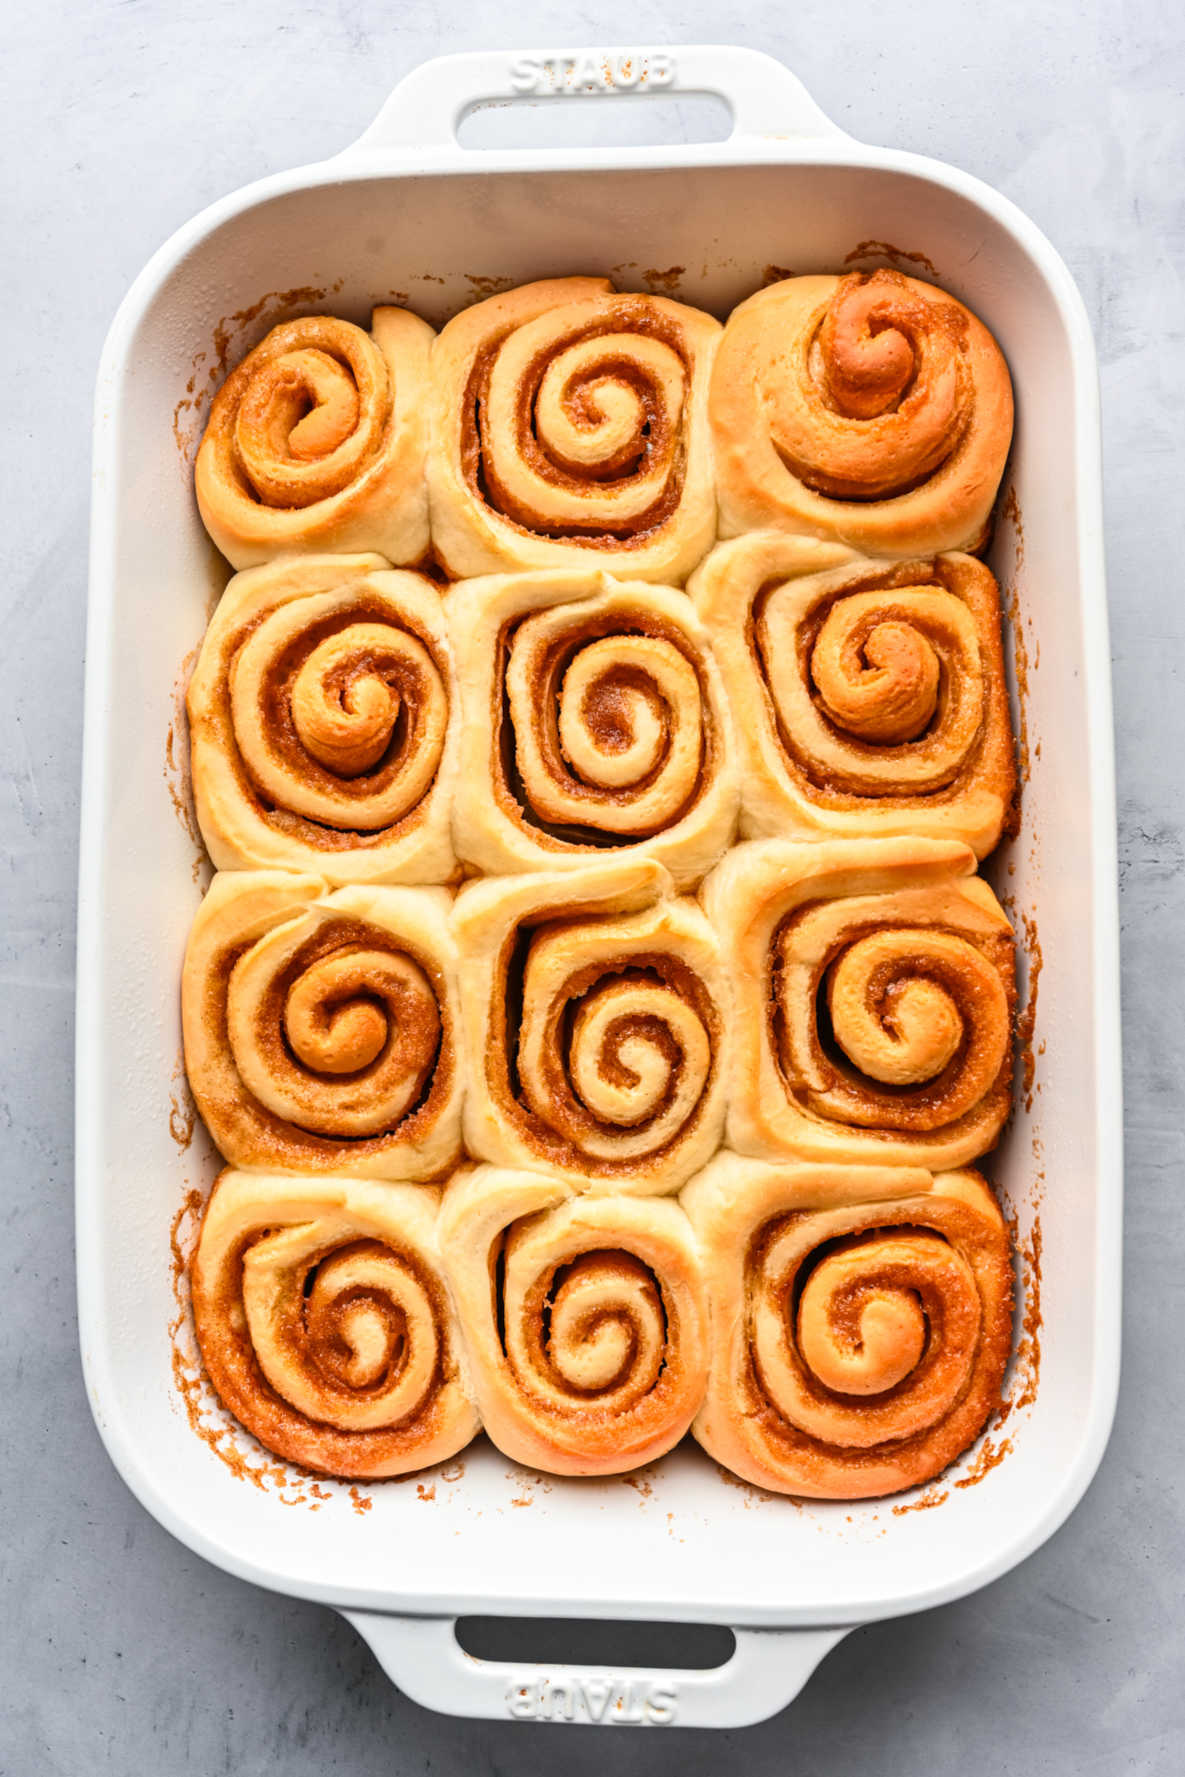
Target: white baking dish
(408,210)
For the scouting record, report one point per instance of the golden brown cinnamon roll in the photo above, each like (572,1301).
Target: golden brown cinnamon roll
(870,697)
(322,723)
(570,426)
(321,1029)
(862,1321)
(594,721)
(871,409)
(874,983)
(595,1014)
(585,1319)
(325,1323)
(317,442)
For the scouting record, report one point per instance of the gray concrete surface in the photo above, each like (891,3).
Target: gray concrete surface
(119,1650)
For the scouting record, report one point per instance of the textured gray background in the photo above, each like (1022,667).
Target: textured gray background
(120,1650)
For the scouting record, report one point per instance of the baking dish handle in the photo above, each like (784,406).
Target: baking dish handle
(424,1658)
(426,107)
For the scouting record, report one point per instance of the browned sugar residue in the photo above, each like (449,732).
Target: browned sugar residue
(487,286)
(896,255)
(181,1242)
(425,1492)
(1026,1023)
(1027,1370)
(1010,509)
(208,369)
(774,274)
(640,1485)
(664,283)
(182,1113)
(1023,662)
(924,1501)
(754,1496)
(990,1456)
(453,1471)
(526,1499)
(361,1502)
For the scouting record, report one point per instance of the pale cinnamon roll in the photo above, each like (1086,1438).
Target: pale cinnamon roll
(585,1319)
(871,409)
(595,1014)
(570,425)
(316,441)
(594,721)
(873,693)
(321,1029)
(322,723)
(874,983)
(862,1321)
(325,1323)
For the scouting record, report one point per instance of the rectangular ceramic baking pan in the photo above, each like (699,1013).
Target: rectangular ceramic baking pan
(407,212)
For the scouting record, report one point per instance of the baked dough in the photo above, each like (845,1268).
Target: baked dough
(870,697)
(594,721)
(585,1319)
(874,985)
(325,1323)
(871,409)
(862,1321)
(570,425)
(321,1028)
(323,723)
(596,1017)
(316,441)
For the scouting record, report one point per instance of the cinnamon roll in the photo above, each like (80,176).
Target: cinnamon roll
(321,1029)
(570,426)
(317,442)
(874,983)
(872,409)
(322,723)
(595,1015)
(874,694)
(325,1324)
(585,1319)
(862,1321)
(594,720)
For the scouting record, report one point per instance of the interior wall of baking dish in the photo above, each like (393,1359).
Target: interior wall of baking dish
(686,1545)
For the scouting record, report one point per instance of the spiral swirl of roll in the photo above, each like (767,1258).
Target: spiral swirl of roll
(322,723)
(568,420)
(316,441)
(594,721)
(871,408)
(866,1316)
(876,987)
(923,1019)
(878,696)
(597,1001)
(324,1322)
(321,1029)
(591,1356)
